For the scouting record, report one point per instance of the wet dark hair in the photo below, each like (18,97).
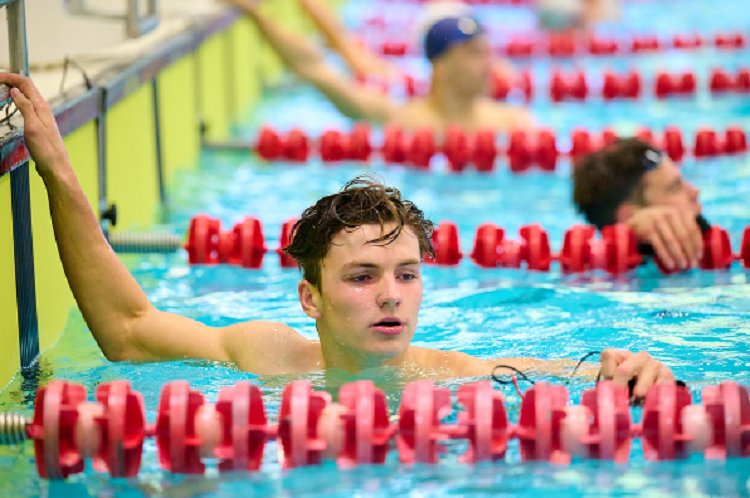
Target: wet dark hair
(604,180)
(365,200)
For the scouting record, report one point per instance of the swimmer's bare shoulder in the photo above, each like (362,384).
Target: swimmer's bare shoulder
(502,117)
(271,348)
(414,114)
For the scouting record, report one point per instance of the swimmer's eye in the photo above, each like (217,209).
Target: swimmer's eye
(360,279)
(409,276)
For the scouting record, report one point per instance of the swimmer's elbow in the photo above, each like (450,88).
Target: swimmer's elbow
(114,356)
(118,350)
(312,69)
(120,342)
(114,351)
(525,120)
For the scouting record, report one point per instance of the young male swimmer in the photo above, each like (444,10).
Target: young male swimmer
(632,182)
(460,56)
(361,254)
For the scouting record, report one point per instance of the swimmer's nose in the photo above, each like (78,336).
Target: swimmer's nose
(693,192)
(390,294)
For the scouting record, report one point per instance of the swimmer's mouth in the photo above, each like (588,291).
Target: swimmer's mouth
(389,326)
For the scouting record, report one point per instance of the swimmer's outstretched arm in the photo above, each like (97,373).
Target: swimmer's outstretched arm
(122,320)
(358,58)
(351,99)
(616,365)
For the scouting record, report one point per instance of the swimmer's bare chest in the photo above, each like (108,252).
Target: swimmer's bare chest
(487,115)
(279,355)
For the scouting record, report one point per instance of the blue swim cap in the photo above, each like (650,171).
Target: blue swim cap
(447,32)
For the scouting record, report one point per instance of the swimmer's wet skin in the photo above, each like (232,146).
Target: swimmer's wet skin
(360,251)
(460,56)
(360,60)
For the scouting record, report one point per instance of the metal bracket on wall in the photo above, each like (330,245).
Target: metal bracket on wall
(19,58)
(137,22)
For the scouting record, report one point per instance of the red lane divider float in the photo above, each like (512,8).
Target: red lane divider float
(566,45)
(68,430)
(525,149)
(615,252)
(208,244)
(576,85)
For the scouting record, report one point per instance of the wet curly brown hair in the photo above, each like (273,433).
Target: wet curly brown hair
(603,180)
(365,200)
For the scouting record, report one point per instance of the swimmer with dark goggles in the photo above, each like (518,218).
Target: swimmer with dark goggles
(632,182)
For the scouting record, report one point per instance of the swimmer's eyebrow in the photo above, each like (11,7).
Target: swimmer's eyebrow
(362,264)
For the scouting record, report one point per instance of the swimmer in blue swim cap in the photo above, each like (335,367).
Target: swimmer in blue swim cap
(632,182)
(459,53)
(360,251)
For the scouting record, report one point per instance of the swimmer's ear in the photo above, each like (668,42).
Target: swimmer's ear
(309,298)
(625,212)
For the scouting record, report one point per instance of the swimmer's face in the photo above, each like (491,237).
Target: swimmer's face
(469,64)
(665,186)
(370,293)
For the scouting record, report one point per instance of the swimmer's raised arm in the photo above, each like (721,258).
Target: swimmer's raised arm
(351,99)
(358,58)
(122,320)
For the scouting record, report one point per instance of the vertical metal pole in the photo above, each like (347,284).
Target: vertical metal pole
(19,57)
(138,23)
(132,19)
(232,104)
(198,76)
(101,156)
(157,130)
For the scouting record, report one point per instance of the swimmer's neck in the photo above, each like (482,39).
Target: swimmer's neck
(449,103)
(337,355)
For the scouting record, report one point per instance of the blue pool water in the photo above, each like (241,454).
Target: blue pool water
(696,322)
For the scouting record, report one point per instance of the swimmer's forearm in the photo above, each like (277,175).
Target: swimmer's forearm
(358,58)
(353,101)
(325,21)
(107,294)
(293,50)
(532,366)
(336,34)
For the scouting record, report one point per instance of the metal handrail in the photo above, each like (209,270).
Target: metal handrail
(19,56)
(137,23)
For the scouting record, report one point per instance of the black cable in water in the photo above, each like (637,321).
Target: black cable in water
(506,382)
(580,362)
(512,378)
